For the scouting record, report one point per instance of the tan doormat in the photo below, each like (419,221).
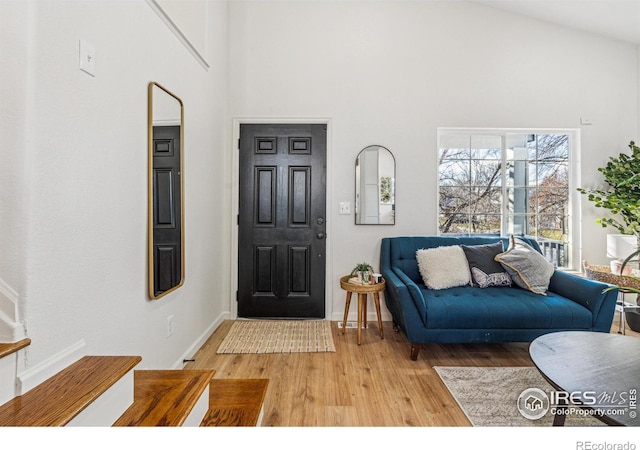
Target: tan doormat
(278,336)
(489,396)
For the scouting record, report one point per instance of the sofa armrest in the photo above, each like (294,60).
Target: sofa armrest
(414,291)
(405,301)
(588,293)
(394,292)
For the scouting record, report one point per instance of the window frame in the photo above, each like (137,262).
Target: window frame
(573,208)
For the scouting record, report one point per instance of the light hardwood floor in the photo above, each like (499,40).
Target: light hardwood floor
(374,384)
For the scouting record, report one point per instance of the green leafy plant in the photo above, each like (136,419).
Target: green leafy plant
(363,271)
(362,267)
(385,189)
(622,195)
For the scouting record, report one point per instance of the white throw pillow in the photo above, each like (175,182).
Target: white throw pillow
(443,267)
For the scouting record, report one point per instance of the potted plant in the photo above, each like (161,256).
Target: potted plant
(622,198)
(363,271)
(632,316)
(622,194)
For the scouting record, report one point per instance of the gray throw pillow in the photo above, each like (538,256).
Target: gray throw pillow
(482,259)
(485,280)
(526,266)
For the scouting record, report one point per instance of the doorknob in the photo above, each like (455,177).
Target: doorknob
(321,235)
(320,220)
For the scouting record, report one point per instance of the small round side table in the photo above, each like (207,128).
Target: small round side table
(362,290)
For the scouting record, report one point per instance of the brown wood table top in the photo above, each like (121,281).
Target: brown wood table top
(361,288)
(600,371)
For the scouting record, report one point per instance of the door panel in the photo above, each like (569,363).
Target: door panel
(299,196)
(264,275)
(281,245)
(167,231)
(265,196)
(299,262)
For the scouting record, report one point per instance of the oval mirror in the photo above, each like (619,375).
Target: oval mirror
(375,186)
(166,218)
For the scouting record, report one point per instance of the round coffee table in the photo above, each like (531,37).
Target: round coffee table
(362,290)
(595,371)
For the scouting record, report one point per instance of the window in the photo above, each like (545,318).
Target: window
(508,182)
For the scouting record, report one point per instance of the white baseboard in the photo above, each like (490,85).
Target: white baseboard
(188,354)
(32,377)
(353,317)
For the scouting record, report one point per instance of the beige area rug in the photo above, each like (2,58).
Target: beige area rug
(489,395)
(278,336)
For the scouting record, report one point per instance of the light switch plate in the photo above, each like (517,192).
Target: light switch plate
(87,58)
(345,208)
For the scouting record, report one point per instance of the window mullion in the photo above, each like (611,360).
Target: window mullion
(504,224)
(534,205)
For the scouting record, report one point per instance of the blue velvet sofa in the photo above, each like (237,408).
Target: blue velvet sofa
(468,314)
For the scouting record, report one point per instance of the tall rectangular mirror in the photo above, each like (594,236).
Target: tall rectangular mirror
(166,215)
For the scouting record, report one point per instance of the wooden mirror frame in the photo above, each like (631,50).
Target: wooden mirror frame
(164,257)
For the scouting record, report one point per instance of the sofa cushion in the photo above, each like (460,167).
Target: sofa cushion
(485,270)
(443,267)
(526,266)
(468,307)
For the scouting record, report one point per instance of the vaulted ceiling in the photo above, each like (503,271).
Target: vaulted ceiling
(617,19)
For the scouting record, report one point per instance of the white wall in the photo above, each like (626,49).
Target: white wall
(390,73)
(74,194)
(13,101)
(73,173)
(190,17)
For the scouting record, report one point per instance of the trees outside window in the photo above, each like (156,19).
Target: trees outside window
(507,183)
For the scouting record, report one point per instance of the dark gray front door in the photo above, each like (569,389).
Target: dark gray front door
(282,225)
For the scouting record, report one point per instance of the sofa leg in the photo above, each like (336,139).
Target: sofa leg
(415,349)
